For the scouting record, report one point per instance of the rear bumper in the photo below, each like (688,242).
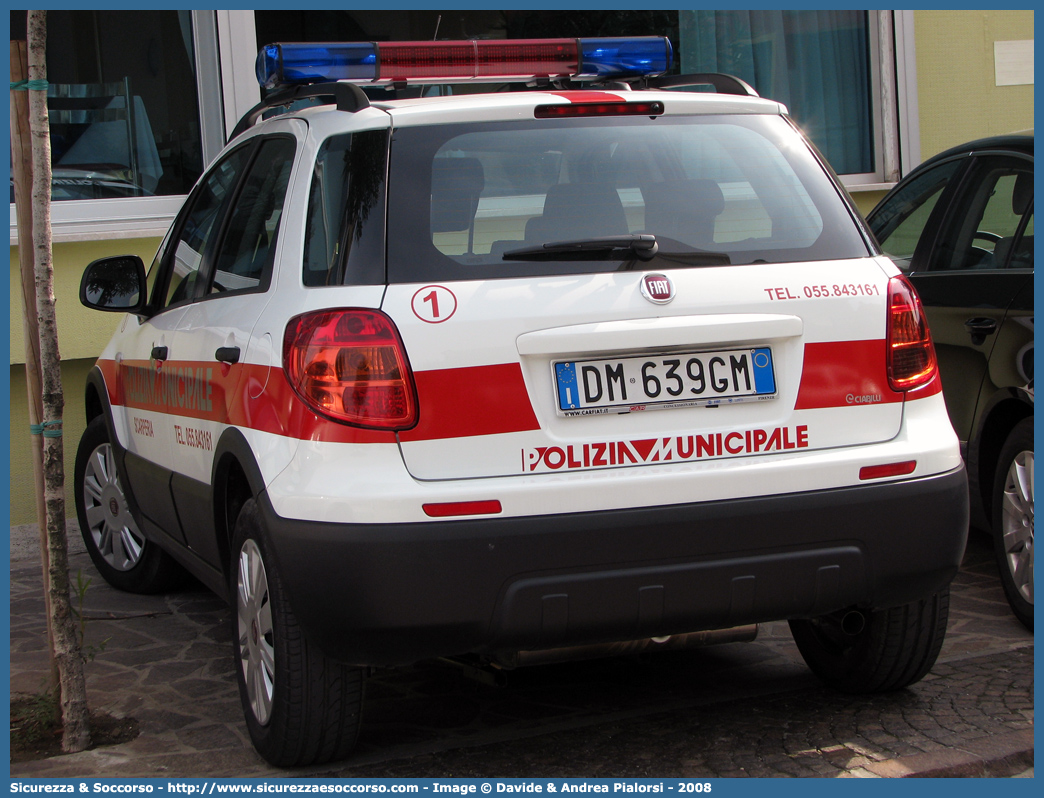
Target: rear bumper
(384,594)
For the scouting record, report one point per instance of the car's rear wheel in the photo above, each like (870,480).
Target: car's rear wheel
(301,707)
(1013,520)
(124,557)
(874,651)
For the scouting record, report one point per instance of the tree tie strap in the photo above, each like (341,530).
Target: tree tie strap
(49,429)
(29,85)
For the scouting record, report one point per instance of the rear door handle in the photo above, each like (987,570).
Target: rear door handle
(979,327)
(227,354)
(159,353)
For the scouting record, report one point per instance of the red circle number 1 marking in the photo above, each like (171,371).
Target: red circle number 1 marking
(434,304)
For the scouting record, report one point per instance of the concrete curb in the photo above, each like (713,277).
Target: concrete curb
(996,756)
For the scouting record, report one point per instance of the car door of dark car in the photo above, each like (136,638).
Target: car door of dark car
(978,260)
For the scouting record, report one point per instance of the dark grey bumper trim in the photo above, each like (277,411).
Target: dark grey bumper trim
(396,593)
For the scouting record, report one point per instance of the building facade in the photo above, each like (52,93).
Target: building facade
(151,95)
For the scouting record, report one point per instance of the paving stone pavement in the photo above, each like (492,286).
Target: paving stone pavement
(749,709)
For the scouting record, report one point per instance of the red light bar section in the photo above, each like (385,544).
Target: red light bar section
(571,110)
(888,470)
(477,58)
(445,509)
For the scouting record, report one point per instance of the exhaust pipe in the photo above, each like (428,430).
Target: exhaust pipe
(853,622)
(682,642)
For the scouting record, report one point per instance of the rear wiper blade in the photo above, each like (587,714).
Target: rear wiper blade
(643,246)
(697,257)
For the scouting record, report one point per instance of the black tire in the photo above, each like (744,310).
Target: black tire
(1013,520)
(874,651)
(301,707)
(124,557)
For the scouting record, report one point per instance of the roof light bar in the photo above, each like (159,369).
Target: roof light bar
(453,61)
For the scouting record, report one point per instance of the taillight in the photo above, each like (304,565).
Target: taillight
(911,356)
(351,366)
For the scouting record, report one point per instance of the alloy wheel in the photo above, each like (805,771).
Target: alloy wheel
(1017,523)
(255,631)
(109,521)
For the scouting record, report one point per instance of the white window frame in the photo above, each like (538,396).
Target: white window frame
(223,41)
(893,101)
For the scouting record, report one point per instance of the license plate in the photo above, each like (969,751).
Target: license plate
(656,382)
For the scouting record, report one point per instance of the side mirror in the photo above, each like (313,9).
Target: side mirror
(115,284)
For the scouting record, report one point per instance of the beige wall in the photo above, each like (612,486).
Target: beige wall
(956,85)
(82,334)
(74,382)
(866,200)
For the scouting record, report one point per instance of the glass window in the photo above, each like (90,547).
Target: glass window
(986,222)
(900,221)
(243,261)
(344,237)
(198,226)
(817,63)
(1020,254)
(468,201)
(124,109)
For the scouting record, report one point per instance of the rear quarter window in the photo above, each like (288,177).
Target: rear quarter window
(344,231)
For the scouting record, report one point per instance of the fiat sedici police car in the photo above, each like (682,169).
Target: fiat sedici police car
(504,374)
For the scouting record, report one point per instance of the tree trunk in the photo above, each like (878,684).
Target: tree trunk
(21,180)
(67,651)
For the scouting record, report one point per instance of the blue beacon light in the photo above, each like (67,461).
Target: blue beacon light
(293,64)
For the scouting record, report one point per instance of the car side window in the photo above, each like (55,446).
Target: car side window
(901,221)
(243,261)
(1020,254)
(344,235)
(197,229)
(989,217)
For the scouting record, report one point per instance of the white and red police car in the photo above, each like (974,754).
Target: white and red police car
(496,374)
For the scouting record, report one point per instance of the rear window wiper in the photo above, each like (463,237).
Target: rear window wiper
(642,246)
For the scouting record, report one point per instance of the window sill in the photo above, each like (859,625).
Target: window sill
(108,219)
(854,189)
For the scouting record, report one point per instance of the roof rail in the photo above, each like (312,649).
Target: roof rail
(722,83)
(347,97)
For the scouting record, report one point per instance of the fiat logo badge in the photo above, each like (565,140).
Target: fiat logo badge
(658,288)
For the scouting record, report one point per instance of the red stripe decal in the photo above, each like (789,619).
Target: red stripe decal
(482,400)
(214,392)
(454,403)
(844,373)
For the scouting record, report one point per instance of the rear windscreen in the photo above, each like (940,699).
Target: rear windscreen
(481,201)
